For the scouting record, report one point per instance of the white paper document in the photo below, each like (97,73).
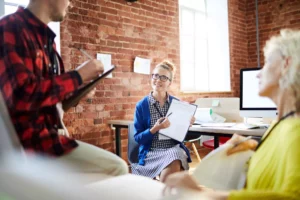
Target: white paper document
(162,137)
(206,115)
(210,172)
(142,65)
(129,187)
(215,103)
(106,61)
(180,115)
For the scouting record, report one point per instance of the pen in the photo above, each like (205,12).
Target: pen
(166,117)
(244,140)
(169,114)
(85,53)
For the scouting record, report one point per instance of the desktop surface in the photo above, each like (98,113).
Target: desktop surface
(243,126)
(215,131)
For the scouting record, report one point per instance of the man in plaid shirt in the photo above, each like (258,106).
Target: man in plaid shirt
(33,82)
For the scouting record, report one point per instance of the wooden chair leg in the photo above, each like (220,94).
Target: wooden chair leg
(196,152)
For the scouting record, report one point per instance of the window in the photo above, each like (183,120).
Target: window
(204,46)
(10,6)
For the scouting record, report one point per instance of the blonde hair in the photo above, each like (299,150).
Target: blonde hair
(288,43)
(167,65)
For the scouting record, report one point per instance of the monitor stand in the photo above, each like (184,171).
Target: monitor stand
(268,120)
(250,120)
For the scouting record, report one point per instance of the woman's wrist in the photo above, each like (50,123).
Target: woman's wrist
(154,129)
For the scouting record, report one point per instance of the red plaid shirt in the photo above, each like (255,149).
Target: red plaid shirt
(30,83)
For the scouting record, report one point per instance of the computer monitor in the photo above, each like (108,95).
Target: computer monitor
(251,104)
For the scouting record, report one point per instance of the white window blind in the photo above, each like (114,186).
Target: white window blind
(204,46)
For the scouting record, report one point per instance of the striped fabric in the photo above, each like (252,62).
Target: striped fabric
(158,159)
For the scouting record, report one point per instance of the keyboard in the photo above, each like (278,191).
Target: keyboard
(243,126)
(218,124)
(249,126)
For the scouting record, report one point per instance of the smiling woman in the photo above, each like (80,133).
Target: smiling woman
(158,155)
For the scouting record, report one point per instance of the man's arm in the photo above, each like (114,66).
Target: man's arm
(22,89)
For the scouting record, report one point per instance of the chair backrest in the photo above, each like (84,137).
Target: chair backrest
(9,141)
(133,146)
(227,107)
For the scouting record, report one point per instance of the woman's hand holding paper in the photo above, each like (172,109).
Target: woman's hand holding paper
(161,123)
(239,144)
(192,121)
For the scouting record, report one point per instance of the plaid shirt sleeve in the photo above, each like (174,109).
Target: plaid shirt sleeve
(21,72)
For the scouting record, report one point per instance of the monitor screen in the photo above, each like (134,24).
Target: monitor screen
(251,104)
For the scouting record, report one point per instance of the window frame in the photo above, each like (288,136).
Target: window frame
(57,25)
(3,4)
(194,88)
(195,12)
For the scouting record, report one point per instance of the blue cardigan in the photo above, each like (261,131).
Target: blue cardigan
(142,134)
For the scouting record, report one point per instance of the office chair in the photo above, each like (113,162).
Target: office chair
(192,139)
(210,143)
(133,146)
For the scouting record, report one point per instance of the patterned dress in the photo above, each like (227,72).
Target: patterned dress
(162,152)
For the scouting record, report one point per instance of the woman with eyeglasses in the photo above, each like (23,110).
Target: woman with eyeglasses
(274,169)
(158,155)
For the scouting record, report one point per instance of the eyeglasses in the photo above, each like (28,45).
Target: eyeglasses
(163,78)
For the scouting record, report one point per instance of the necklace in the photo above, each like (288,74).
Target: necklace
(280,120)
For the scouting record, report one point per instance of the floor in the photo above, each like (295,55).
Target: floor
(202,152)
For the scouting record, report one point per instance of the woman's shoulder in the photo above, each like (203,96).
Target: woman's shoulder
(292,123)
(142,101)
(291,127)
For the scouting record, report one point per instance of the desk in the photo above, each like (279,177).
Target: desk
(224,132)
(118,125)
(196,130)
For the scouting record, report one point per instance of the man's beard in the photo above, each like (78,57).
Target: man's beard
(57,18)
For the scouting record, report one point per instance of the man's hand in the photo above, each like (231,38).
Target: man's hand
(90,70)
(182,180)
(244,146)
(91,94)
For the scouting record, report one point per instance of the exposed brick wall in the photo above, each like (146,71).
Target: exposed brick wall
(273,15)
(149,29)
(237,41)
